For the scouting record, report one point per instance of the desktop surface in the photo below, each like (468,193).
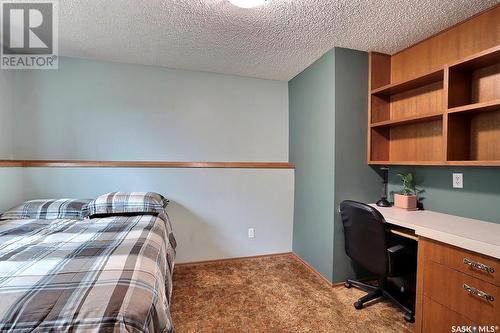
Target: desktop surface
(470,234)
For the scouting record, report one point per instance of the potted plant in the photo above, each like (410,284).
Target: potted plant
(407,199)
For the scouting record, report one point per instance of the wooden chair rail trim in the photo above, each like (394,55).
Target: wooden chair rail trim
(144,164)
(9,163)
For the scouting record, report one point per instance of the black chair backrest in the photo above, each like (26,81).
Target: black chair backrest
(365,236)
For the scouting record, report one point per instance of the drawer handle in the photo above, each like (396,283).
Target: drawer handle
(476,292)
(478,265)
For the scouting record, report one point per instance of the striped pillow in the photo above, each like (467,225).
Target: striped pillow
(47,210)
(125,203)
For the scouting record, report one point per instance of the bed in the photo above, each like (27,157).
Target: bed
(109,274)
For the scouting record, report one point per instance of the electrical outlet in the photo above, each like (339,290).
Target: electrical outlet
(251,233)
(458,180)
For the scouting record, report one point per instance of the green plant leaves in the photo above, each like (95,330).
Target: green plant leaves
(408,188)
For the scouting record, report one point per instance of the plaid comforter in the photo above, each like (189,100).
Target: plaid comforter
(109,274)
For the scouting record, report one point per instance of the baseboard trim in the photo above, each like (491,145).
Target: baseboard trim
(315,272)
(215,261)
(338,284)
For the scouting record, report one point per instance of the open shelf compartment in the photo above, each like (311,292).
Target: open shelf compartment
(401,144)
(475,79)
(474,136)
(417,104)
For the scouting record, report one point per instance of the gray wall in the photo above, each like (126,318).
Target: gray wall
(6,114)
(107,111)
(479,199)
(211,209)
(11,187)
(354,179)
(312,131)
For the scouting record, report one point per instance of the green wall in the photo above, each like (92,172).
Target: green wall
(354,179)
(311,118)
(479,199)
(328,118)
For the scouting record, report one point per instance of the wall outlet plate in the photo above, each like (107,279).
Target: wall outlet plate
(251,233)
(458,180)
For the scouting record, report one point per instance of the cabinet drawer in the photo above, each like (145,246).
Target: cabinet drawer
(438,318)
(479,266)
(464,294)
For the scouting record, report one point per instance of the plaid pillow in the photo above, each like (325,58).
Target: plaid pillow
(47,210)
(120,203)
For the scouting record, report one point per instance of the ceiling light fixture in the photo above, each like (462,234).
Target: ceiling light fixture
(248,3)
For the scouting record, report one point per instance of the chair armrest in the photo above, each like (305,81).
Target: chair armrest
(400,261)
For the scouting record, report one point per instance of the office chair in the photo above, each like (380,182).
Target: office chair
(368,243)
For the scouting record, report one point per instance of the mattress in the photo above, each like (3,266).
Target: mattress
(111,274)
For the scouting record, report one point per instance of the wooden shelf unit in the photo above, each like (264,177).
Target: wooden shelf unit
(446,116)
(406,118)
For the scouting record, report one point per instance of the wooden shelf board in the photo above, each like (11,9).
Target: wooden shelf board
(437,163)
(484,58)
(144,164)
(473,163)
(394,88)
(477,107)
(407,120)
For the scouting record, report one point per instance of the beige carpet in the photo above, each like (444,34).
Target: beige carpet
(271,294)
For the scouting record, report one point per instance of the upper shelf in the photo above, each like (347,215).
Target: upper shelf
(395,88)
(482,59)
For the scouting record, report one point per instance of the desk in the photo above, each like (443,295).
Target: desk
(458,278)
(470,234)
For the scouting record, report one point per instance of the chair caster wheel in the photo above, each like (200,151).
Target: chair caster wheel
(409,318)
(358,305)
(347,285)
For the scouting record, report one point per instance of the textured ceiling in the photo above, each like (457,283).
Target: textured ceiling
(276,41)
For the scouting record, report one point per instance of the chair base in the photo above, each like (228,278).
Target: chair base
(375,292)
